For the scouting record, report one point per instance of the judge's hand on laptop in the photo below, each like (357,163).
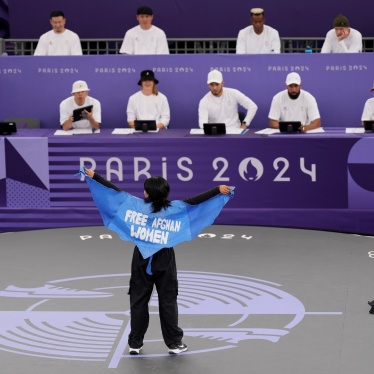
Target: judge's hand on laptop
(303,128)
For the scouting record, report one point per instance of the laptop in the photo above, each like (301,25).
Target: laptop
(369,126)
(79,114)
(7,128)
(145,125)
(214,128)
(289,127)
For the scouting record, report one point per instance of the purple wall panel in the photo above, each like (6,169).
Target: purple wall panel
(185,19)
(272,175)
(35,86)
(276,162)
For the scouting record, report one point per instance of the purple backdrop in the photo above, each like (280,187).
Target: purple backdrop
(185,19)
(35,86)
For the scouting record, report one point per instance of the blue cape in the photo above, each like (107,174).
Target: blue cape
(132,218)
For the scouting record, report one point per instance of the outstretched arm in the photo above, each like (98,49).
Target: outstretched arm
(208,194)
(98,178)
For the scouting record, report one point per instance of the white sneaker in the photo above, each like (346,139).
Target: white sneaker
(135,351)
(177,348)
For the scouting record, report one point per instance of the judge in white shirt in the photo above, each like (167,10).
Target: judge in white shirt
(258,38)
(145,39)
(294,104)
(148,103)
(342,38)
(368,112)
(80,99)
(59,41)
(220,104)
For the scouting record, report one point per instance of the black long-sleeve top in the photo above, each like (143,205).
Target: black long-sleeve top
(191,200)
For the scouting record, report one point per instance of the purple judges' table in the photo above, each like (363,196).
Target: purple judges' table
(318,181)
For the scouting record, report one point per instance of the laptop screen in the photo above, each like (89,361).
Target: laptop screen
(369,126)
(214,128)
(145,125)
(289,126)
(7,128)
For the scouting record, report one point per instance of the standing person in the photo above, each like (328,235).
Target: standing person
(145,39)
(80,99)
(368,113)
(220,104)
(59,41)
(148,103)
(294,104)
(141,221)
(258,38)
(371,303)
(342,38)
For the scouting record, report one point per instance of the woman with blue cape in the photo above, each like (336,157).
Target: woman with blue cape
(158,267)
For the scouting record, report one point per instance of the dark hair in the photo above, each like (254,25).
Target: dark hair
(144,10)
(57,13)
(158,190)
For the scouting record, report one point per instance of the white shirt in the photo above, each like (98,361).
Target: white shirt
(224,108)
(145,42)
(368,113)
(68,105)
(351,44)
(148,107)
(249,42)
(303,109)
(66,43)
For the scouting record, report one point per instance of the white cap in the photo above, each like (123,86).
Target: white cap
(79,86)
(215,76)
(293,78)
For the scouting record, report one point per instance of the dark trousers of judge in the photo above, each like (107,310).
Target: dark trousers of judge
(141,287)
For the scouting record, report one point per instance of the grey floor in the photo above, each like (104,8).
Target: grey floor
(251,300)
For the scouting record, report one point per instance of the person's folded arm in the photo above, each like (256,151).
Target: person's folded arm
(274,124)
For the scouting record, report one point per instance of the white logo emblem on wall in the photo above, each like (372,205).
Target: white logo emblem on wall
(251,169)
(223,310)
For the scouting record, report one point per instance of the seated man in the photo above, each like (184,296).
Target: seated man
(80,99)
(258,38)
(59,41)
(148,103)
(368,113)
(145,39)
(294,104)
(220,105)
(342,38)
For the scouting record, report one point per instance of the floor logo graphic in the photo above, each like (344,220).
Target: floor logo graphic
(86,318)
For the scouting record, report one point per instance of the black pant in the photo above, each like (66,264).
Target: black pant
(164,277)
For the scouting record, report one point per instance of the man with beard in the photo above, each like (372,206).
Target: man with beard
(294,104)
(220,105)
(258,38)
